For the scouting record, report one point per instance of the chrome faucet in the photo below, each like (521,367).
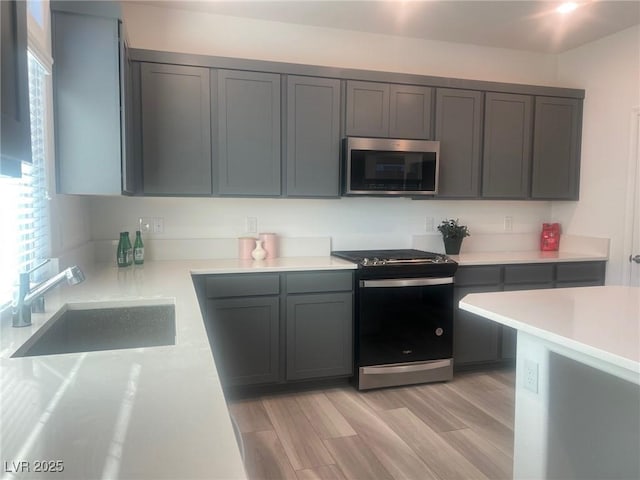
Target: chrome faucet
(26,297)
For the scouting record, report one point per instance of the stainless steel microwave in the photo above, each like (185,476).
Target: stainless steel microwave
(384,166)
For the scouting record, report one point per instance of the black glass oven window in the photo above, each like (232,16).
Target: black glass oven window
(392,171)
(405,324)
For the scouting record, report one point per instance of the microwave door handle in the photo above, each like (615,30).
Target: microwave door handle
(405,282)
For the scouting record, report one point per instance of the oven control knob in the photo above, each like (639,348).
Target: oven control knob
(439,332)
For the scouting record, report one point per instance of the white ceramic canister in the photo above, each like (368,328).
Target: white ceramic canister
(270,244)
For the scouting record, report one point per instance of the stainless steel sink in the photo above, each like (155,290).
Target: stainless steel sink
(75,329)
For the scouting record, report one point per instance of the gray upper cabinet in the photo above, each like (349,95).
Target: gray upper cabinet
(87,84)
(15,142)
(507,145)
(388,110)
(176,130)
(556,148)
(410,111)
(367,109)
(313,137)
(249,133)
(458,127)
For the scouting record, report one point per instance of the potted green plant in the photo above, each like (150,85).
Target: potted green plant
(452,235)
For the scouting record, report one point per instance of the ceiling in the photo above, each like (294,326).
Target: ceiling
(523,25)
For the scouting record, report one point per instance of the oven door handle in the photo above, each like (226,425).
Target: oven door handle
(417,367)
(405,282)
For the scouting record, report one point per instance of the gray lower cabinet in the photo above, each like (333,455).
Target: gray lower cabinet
(176,130)
(580,274)
(313,137)
(245,339)
(88,97)
(458,127)
(319,335)
(475,339)
(556,148)
(507,145)
(388,110)
(478,340)
(272,328)
(248,117)
(15,146)
(523,277)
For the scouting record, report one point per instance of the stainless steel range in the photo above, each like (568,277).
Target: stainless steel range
(404,317)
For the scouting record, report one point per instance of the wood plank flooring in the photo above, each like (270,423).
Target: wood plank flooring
(461,429)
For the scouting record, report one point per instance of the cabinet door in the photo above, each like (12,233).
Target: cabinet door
(459,128)
(87,103)
(556,148)
(176,130)
(319,335)
(313,137)
(244,337)
(249,128)
(410,112)
(14,105)
(475,339)
(507,145)
(367,109)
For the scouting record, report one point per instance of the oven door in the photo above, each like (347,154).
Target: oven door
(404,320)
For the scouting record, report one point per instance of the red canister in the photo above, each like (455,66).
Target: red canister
(550,237)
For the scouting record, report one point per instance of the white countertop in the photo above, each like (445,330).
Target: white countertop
(149,413)
(285,264)
(601,322)
(501,258)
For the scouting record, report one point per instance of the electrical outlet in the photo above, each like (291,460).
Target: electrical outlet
(508,223)
(158,225)
(251,225)
(530,380)
(428,224)
(144,224)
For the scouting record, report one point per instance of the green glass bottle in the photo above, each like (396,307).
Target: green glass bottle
(124,253)
(138,249)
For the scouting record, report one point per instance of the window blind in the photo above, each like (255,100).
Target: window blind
(24,216)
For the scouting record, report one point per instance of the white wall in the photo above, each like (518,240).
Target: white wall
(609,71)
(207,34)
(351,222)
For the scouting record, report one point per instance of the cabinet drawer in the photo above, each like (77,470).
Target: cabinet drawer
(219,286)
(528,273)
(484,275)
(319,282)
(527,286)
(581,272)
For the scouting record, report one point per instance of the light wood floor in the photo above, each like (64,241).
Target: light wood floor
(461,429)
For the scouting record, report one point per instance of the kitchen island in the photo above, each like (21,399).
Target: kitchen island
(577,379)
(135,413)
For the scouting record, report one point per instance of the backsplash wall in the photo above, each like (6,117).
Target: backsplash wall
(350,222)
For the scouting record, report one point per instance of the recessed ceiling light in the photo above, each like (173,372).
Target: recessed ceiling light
(567,7)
